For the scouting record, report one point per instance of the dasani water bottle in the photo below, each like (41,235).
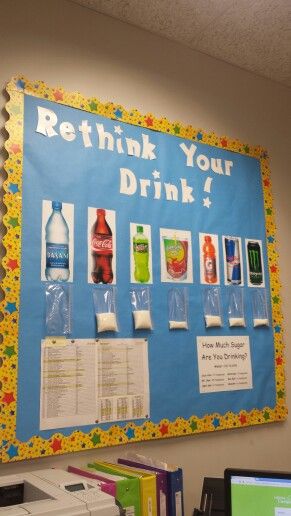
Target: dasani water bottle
(57,245)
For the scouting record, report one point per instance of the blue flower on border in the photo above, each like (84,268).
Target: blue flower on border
(130,433)
(118,113)
(20,84)
(11,307)
(12,451)
(13,187)
(271,239)
(277,328)
(199,136)
(216,422)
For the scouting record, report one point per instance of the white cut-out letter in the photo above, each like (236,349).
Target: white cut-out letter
(67,131)
(127,181)
(157,186)
(133,147)
(207,184)
(119,146)
(47,119)
(186,191)
(171,192)
(144,183)
(189,153)
(105,138)
(86,129)
(228,165)
(203,162)
(216,166)
(148,148)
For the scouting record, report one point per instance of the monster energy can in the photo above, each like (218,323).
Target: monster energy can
(255,263)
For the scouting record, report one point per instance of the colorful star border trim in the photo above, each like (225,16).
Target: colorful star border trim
(12,448)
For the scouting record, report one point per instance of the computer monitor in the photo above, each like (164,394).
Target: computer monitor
(257,493)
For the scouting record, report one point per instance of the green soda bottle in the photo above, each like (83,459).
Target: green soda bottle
(141,256)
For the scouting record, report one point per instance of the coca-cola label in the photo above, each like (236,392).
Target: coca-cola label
(140,247)
(101,244)
(57,256)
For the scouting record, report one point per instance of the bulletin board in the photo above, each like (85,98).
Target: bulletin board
(185,187)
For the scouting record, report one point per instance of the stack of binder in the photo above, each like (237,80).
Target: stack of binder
(140,485)
(171,502)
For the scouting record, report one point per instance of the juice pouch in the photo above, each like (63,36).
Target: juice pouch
(176,255)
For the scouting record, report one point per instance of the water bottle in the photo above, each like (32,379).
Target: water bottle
(57,245)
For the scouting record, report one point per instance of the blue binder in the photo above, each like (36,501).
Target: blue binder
(175,499)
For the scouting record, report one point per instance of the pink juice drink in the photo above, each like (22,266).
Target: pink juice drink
(176,254)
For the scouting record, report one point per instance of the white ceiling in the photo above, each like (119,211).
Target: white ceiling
(252,34)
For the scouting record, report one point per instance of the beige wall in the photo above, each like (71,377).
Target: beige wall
(64,44)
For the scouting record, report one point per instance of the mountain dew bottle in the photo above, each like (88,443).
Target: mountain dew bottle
(141,256)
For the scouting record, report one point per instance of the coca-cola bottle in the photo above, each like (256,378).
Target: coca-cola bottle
(101,248)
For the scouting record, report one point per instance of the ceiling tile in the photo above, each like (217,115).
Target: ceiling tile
(252,34)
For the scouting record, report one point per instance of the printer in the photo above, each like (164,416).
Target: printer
(53,492)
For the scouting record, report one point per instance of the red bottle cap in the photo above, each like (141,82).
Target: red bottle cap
(100,211)
(207,238)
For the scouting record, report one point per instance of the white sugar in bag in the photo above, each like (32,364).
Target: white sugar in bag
(178,325)
(142,320)
(261,322)
(237,321)
(212,320)
(106,321)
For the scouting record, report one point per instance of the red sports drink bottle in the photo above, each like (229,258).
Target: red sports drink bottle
(101,248)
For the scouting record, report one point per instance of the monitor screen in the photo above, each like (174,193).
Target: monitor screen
(257,493)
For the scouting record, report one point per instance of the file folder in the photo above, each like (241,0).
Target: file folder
(125,490)
(147,483)
(161,481)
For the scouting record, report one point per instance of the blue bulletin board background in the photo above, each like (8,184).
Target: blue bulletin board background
(55,169)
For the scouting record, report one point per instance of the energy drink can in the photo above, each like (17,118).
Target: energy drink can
(232,254)
(255,263)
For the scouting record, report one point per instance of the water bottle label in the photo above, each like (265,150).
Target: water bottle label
(102,244)
(57,256)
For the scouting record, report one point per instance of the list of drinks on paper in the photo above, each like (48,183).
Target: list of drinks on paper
(123,388)
(87,381)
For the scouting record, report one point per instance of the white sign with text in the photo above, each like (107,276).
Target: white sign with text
(224,363)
